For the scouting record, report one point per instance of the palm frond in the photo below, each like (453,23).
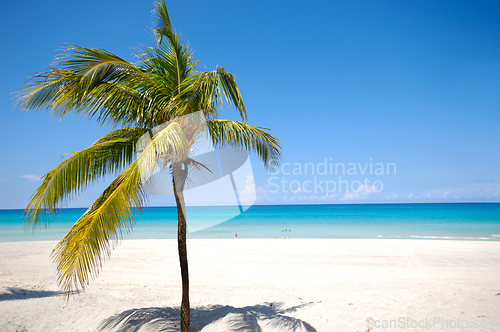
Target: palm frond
(178,55)
(46,90)
(227,133)
(168,64)
(161,22)
(96,83)
(207,91)
(99,65)
(168,145)
(80,253)
(108,155)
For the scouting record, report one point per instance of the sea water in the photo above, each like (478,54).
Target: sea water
(460,221)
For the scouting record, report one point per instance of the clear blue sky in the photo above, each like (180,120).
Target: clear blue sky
(410,83)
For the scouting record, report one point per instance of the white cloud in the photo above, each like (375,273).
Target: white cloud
(444,193)
(360,194)
(260,193)
(393,196)
(249,189)
(32,177)
(332,197)
(410,195)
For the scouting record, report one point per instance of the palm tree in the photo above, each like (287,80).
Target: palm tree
(135,98)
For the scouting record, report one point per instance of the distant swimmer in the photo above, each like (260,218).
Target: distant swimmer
(235,234)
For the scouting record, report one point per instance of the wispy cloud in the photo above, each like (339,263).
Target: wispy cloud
(444,192)
(32,177)
(491,184)
(470,191)
(249,191)
(392,197)
(360,194)
(3,179)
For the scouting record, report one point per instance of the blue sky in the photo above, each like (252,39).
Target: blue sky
(413,84)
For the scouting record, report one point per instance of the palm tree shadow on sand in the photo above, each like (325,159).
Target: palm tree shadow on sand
(17,293)
(213,318)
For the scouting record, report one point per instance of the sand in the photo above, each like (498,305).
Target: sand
(262,285)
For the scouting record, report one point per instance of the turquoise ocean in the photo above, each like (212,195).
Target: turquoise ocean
(458,221)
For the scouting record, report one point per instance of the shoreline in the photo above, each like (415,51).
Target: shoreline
(423,238)
(229,238)
(368,221)
(324,284)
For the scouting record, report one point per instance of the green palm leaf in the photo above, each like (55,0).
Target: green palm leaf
(80,253)
(108,155)
(207,91)
(242,135)
(161,22)
(94,82)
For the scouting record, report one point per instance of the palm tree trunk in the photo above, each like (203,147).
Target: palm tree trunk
(179,180)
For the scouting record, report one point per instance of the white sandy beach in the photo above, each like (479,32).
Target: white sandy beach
(261,285)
